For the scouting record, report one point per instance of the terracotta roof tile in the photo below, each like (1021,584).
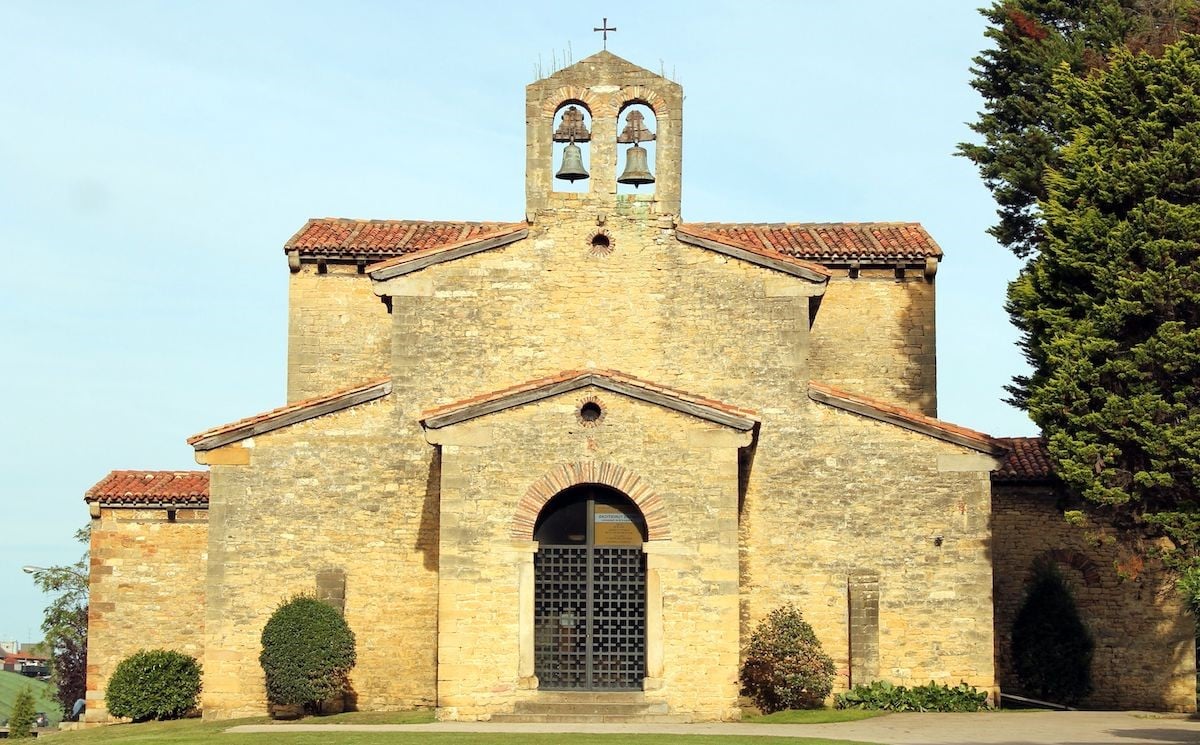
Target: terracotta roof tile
(337,237)
(268,420)
(1027,461)
(826,243)
(902,416)
(150,487)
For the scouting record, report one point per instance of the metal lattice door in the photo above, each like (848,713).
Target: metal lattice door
(590,617)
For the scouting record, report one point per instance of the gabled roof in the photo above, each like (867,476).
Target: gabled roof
(571,380)
(337,238)
(884,243)
(901,417)
(292,413)
(182,488)
(1027,461)
(760,255)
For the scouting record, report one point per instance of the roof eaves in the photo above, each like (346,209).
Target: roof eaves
(286,416)
(418,260)
(907,419)
(768,259)
(571,380)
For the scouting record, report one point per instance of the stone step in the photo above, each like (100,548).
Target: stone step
(585,719)
(588,707)
(623,697)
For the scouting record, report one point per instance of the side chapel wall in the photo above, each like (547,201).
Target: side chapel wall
(343,492)
(1145,653)
(851,511)
(147,590)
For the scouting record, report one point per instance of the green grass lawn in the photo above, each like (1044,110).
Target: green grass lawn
(812,716)
(12,683)
(197,732)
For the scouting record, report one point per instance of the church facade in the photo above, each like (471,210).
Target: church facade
(585,452)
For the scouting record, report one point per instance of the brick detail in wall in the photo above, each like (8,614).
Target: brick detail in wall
(1088,569)
(567,475)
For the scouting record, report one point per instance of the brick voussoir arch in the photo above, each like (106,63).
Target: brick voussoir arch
(1088,569)
(566,475)
(635,94)
(568,94)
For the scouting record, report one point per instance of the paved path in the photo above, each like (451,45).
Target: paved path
(1010,728)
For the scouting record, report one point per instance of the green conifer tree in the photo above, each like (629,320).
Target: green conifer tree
(20,722)
(1109,310)
(1021,128)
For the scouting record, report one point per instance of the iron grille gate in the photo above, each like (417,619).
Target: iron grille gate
(590,618)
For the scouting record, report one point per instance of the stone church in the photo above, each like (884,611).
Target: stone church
(579,455)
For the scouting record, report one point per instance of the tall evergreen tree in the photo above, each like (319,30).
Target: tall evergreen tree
(1022,133)
(1110,307)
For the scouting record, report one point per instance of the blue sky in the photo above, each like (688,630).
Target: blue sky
(155,156)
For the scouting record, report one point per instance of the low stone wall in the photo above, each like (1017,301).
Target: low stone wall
(1145,640)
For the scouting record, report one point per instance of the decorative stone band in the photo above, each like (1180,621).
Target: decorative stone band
(567,475)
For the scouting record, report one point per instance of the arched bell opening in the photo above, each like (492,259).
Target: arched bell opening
(571,156)
(636,137)
(590,592)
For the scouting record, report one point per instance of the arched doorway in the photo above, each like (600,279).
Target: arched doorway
(590,591)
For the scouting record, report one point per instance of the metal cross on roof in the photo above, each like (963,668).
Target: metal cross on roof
(604,27)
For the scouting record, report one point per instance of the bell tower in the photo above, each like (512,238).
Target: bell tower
(612,155)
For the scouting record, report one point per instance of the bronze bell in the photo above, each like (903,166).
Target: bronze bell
(572,164)
(637,172)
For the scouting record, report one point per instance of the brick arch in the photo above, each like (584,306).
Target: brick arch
(635,94)
(569,94)
(566,475)
(1088,569)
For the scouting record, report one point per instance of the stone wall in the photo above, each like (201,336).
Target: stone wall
(147,589)
(1145,654)
(338,331)
(875,334)
(349,491)
(841,503)
(685,468)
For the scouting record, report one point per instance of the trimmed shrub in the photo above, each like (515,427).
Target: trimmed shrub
(884,696)
(20,722)
(154,684)
(307,653)
(785,667)
(1051,648)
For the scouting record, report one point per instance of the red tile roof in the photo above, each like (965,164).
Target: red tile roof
(151,487)
(290,414)
(903,417)
(1027,461)
(336,237)
(589,377)
(828,243)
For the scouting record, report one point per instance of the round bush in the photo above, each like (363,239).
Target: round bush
(307,653)
(154,684)
(1051,647)
(785,667)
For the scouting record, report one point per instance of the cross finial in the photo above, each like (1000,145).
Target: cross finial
(604,28)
